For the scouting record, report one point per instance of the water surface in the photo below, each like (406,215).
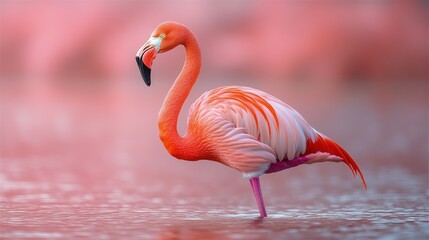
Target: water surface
(390,209)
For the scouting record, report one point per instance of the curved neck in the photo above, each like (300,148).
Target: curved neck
(169,113)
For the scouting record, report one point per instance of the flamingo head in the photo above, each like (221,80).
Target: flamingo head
(164,38)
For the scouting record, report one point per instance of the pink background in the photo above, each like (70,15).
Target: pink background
(71,91)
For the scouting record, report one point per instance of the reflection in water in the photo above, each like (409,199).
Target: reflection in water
(394,210)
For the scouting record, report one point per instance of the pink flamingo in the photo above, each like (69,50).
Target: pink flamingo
(240,127)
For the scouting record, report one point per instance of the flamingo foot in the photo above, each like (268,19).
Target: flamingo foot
(256,187)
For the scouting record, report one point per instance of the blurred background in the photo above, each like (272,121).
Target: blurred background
(74,109)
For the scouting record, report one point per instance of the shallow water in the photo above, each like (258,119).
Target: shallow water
(92,167)
(394,207)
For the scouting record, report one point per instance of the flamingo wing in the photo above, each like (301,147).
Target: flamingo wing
(249,129)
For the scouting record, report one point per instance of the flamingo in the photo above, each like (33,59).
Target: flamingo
(241,127)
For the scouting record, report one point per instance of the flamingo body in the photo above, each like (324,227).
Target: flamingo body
(240,127)
(248,129)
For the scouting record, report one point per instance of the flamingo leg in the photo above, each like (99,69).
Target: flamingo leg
(256,187)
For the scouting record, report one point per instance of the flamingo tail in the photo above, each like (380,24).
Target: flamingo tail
(325,145)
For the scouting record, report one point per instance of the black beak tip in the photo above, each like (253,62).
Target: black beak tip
(144,71)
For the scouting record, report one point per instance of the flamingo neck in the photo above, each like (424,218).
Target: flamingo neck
(180,146)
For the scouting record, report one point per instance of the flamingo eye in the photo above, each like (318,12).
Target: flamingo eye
(162,35)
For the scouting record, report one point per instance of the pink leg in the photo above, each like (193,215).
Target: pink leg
(256,186)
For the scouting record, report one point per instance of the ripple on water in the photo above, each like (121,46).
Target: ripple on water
(33,210)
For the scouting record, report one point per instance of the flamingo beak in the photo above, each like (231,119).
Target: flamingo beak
(145,57)
(144,70)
